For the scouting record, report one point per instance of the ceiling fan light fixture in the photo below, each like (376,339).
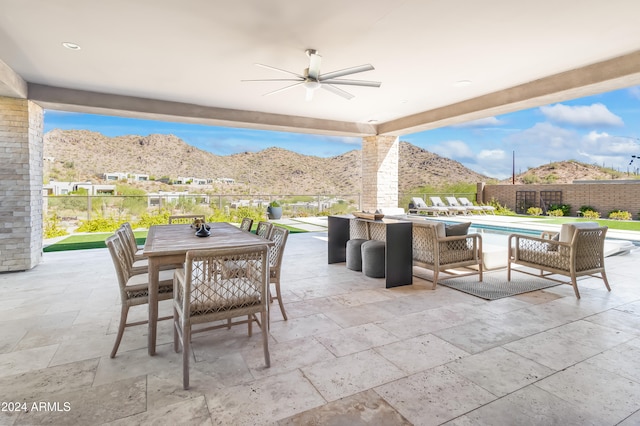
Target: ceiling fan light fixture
(71,46)
(311,84)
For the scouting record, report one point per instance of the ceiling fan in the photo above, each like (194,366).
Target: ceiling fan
(311,78)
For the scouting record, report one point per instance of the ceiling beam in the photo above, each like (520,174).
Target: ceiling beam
(605,76)
(11,84)
(56,98)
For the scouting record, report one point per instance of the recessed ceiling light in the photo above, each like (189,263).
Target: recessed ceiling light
(462,83)
(71,46)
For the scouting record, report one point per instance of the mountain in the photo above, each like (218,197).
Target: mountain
(567,172)
(80,155)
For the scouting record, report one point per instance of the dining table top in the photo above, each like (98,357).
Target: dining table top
(167,240)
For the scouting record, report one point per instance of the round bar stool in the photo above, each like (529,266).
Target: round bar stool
(354,254)
(373,258)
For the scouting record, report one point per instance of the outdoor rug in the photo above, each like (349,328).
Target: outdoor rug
(494,285)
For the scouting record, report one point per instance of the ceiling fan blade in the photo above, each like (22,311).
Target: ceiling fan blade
(283,89)
(269,67)
(277,79)
(337,91)
(346,71)
(314,65)
(365,83)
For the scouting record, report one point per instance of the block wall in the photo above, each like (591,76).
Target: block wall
(380,156)
(21,145)
(604,197)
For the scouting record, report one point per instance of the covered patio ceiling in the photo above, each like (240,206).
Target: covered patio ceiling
(440,63)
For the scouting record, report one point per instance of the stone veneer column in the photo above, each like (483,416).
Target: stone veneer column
(21,147)
(379,172)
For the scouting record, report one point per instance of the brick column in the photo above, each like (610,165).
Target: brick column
(379,172)
(21,145)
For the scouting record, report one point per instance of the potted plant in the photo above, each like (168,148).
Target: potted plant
(274,210)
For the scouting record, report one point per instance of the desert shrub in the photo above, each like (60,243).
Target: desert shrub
(590,214)
(52,227)
(619,215)
(500,209)
(551,178)
(236,215)
(100,224)
(534,211)
(147,220)
(566,209)
(530,179)
(555,212)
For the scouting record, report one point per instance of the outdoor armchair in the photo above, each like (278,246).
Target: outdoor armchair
(577,251)
(434,250)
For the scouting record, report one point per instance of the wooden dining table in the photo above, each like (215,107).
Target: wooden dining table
(168,245)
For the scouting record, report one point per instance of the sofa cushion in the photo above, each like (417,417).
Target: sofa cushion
(568,229)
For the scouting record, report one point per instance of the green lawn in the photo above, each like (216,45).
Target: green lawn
(89,241)
(622,225)
(96,240)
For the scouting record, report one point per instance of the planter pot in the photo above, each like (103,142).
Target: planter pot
(274,212)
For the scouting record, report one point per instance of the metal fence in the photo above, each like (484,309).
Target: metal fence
(74,208)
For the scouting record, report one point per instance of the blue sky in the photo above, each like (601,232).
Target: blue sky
(602,129)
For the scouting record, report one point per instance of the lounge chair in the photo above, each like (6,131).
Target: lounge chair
(453,202)
(437,201)
(419,206)
(464,202)
(485,209)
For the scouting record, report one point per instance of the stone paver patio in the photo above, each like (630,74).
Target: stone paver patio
(352,352)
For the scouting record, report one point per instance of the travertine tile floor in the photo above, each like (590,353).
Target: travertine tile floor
(352,352)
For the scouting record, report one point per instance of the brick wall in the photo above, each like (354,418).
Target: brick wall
(604,196)
(380,156)
(21,144)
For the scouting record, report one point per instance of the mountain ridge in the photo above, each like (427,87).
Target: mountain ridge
(81,155)
(87,155)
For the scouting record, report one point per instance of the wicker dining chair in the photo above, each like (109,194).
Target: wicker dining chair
(246,224)
(137,265)
(279,236)
(134,289)
(218,284)
(131,240)
(185,219)
(264,229)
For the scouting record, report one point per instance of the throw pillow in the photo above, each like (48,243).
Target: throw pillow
(457,229)
(553,247)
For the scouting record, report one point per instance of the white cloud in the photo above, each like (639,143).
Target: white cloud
(482,122)
(456,150)
(491,155)
(581,116)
